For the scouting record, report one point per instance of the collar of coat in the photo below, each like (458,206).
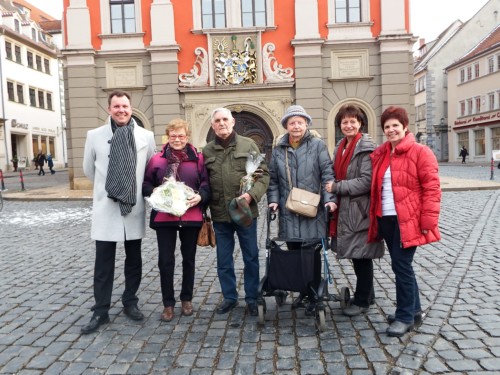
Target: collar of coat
(283,139)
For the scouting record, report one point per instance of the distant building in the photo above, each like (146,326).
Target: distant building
(30,105)
(183,58)
(432,90)
(474,100)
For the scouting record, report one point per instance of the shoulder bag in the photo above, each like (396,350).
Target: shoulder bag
(206,236)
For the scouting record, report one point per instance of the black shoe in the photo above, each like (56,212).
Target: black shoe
(252,309)
(133,312)
(311,309)
(95,323)
(398,329)
(417,319)
(225,306)
(299,301)
(354,310)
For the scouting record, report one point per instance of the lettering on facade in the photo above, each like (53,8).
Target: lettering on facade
(349,67)
(477,119)
(19,125)
(125,77)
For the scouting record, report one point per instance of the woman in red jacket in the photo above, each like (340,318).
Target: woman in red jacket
(404,209)
(178,159)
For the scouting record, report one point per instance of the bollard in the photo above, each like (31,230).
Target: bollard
(492,168)
(21,179)
(1,179)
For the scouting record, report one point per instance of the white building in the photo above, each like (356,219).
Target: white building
(431,82)
(30,105)
(474,100)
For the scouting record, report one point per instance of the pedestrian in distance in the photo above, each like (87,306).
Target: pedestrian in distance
(464,153)
(50,163)
(349,226)
(179,160)
(404,210)
(225,158)
(303,156)
(40,161)
(115,159)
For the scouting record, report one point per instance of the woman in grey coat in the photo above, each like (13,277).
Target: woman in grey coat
(349,226)
(310,169)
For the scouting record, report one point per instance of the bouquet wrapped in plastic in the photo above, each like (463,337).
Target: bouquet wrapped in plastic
(171,197)
(253,172)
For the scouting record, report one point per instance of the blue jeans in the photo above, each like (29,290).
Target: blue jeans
(407,295)
(224,234)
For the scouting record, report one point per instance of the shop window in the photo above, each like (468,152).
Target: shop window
(479,142)
(495,139)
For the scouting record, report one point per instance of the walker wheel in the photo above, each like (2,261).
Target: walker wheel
(322,322)
(261,310)
(345,298)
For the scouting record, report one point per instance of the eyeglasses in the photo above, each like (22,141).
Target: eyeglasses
(180,137)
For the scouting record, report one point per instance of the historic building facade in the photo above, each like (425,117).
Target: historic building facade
(183,58)
(30,117)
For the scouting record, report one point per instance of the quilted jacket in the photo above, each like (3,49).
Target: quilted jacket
(416,188)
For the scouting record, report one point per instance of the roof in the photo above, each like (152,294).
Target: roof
(37,15)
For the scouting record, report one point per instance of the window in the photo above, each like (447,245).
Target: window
(479,142)
(10,91)
(495,139)
(469,106)
(33,34)
(30,59)
(463,140)
(49,101)
(476,70)
(348,11)
(17,26)
(498,62)
(253,13)
(491,65)
(462,75)
(38,63)
(491,101)
(462,108)
(469,73)
(213,14)
(46,64)
(420,112)
(32,97)
(8,50)
(122,16)
(52,149)
(478,104)
(20,93)
(41,101)
(17,50)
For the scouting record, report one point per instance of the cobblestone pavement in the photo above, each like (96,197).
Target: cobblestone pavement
(46,293)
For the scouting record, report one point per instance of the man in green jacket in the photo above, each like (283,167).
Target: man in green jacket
(225,158)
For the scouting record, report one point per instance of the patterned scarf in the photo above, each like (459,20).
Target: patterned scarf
(340,165)
(174,159)
(121,182)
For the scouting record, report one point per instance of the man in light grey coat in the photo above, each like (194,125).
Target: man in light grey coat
(115,159)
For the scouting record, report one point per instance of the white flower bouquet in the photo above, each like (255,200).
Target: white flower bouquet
(251,167)
(171,197)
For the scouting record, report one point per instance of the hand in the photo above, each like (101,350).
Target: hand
(331,206)
(247,197)
(273,206)
(194,200)
(331,186)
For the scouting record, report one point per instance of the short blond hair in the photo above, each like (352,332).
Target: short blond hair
(176,124)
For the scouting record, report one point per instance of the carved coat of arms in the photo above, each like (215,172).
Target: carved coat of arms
(234,67)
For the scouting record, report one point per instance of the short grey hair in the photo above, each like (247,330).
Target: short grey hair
(220,109)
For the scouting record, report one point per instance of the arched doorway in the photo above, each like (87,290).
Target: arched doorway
(252,126)
(138,121)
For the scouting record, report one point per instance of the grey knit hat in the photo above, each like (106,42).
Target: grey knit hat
(295,110)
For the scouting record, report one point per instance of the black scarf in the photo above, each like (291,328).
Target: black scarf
(121,182)
(226,142)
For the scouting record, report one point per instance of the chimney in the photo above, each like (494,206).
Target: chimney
(422,42)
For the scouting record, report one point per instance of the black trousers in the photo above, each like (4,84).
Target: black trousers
(104,274)
(167,238)
(364,293)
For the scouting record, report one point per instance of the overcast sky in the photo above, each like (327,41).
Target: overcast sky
(428,18)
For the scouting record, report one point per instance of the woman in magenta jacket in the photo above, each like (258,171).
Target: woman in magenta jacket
(179,159)
(404,209)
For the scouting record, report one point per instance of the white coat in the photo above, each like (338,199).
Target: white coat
(107,222)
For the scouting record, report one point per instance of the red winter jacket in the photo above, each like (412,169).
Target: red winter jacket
(416,188)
